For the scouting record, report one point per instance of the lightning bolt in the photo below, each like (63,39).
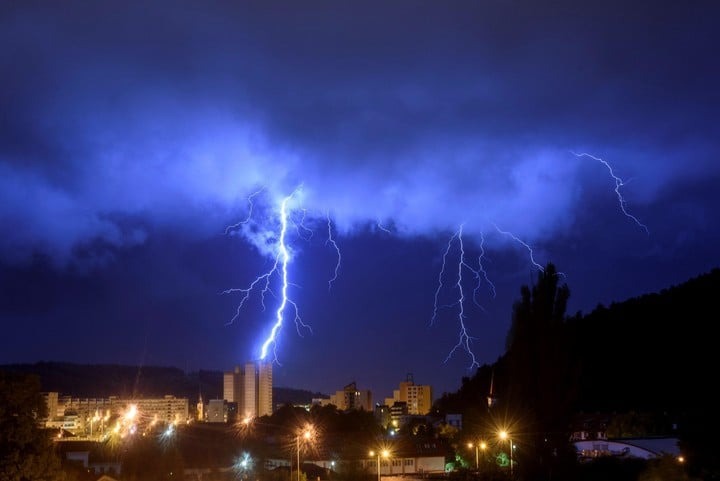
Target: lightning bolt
(618,184)
(251,202)
(382,227)
(529,249)
(263,280)
(464,338)
(283,258)
(481,268)
(330,240)
(279,269)
(302,230)
(480,274)
(279,272)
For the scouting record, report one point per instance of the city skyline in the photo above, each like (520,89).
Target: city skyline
(407,167)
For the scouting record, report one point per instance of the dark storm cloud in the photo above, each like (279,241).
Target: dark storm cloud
(166,108)
(128,127)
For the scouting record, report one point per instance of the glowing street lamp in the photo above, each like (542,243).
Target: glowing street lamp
(306,434)
(477,454)
(243,464)
(478,446)
(385,454)
(93,420)
(504,435)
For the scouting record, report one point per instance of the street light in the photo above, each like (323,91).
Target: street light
(385,454)
(504,435)
(306,434)
(94,419)
(477,454)
(478,446)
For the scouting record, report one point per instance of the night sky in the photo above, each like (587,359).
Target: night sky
(135,135)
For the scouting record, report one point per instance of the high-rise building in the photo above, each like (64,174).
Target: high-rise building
(250,387)
(418,397)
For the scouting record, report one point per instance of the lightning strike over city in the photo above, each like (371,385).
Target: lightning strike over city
(345,197)
(282,256)
(273,236)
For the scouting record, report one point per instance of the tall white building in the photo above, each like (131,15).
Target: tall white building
(250,386)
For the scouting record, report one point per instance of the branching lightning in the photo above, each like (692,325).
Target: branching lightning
(282,257)
(618,184)
(262,282)
(464,339)
(481,268)
(251,202)
(302,230)
(479,273)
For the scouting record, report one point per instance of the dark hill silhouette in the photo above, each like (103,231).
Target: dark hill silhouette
(643,367)
(104,380)
(651,352)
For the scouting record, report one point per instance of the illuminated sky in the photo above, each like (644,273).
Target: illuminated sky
(132,135)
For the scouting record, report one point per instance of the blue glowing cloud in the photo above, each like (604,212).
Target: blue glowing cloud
(125,123)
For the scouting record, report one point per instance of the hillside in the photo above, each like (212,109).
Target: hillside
(652,351)
(104,380)
(649,353)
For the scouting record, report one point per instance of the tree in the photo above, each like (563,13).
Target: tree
(541,380)
(26,451)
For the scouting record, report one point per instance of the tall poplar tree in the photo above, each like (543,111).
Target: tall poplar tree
(541,382)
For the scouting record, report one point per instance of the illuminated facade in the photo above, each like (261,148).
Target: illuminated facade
(417,397)
(250,387)
(352,398)
(89,416)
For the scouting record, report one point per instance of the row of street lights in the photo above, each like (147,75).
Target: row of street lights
(307,433)
(385,454)
(482,445)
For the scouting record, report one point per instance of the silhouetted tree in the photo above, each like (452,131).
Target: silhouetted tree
(26,451)
(541,379)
